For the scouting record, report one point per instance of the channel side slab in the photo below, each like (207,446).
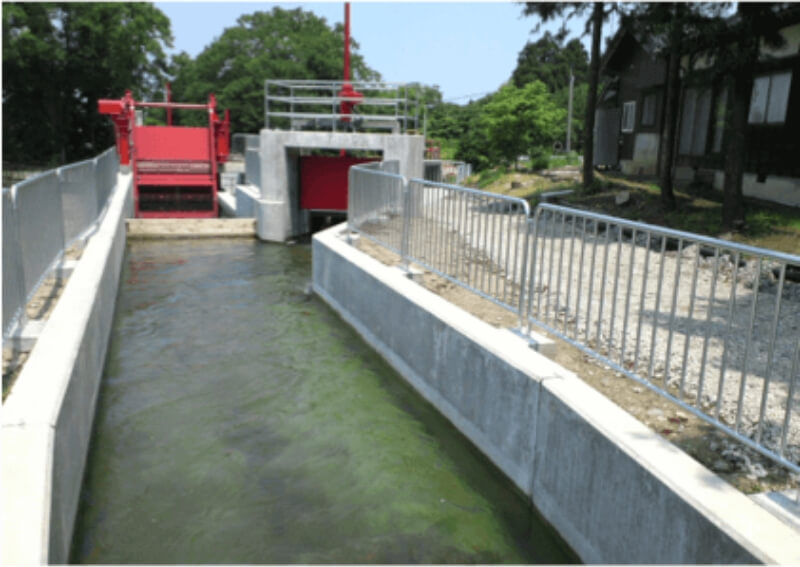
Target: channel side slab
(47,418)
(614,490)
(484,380)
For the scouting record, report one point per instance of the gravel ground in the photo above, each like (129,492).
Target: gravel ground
(688,335)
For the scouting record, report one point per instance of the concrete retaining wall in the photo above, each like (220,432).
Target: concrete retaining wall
(47,418)
(614,490)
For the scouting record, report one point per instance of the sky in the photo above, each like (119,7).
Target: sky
(466,48)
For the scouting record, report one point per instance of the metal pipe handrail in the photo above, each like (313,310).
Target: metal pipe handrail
(677,234)
(320,83)
(337,115)
(365,101)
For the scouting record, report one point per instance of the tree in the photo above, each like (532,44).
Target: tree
(550,61)
(678,27)
(736,53)
(59,58)
(522,120)
(473,146)
(280,44)
(594,24)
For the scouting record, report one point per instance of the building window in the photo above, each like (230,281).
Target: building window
(719,119)
(694,122)
(628,116)
(770,99)
(649,110)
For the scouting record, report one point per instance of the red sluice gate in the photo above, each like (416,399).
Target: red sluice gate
(323,182)
(174,167)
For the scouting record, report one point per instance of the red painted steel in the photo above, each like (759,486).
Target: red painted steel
(346,106)
(158,143)
(169,99)
(323,182)
(174,168)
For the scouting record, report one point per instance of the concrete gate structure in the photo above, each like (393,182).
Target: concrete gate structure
(276,201)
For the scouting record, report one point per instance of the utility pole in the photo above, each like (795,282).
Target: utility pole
(569,109)
(425,124)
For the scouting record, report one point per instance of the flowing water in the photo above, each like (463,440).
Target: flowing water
(240,420)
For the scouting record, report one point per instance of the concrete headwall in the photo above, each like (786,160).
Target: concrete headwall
(47,417)
(615,491)
(278,208)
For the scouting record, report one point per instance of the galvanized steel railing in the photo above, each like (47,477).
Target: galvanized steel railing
(316,104)
(42,217)
(710,324)
(698,320)
(446,171)
(455,232)
(472,238)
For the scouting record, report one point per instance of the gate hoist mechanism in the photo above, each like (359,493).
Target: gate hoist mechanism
(174,167)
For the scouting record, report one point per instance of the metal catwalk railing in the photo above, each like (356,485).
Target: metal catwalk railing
(710,324)
(42,217)
(317,105)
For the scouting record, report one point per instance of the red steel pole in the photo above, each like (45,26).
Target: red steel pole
(347,41)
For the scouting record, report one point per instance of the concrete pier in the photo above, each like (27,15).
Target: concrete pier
(275,201)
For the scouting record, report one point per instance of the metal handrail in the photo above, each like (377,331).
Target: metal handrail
(294,97)
(44,215)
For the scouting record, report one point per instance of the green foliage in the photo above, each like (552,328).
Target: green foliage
(448,120)
(60,58)
(489,176)
(473,146)
(548,60)
(279,44)
(522,120)
(539,159)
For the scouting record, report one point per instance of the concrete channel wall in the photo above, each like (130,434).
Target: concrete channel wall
(47,417)
(614,490)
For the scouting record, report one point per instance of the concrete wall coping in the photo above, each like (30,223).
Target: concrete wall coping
(746,522)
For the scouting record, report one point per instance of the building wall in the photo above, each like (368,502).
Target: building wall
(642,75)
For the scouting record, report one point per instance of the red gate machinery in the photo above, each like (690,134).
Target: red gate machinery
(174,167)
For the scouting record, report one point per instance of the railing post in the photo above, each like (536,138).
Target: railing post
(406,223)
(536,217)
(523,276)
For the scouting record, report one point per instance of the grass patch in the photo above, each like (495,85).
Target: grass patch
(488,177)
(564,160)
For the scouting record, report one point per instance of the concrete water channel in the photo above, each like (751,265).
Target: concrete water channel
(240,420)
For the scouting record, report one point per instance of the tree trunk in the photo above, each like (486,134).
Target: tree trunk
(735,132)
(591,99)
(670,119)
(732,206)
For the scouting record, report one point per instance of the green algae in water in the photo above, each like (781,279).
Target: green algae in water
(241,421)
